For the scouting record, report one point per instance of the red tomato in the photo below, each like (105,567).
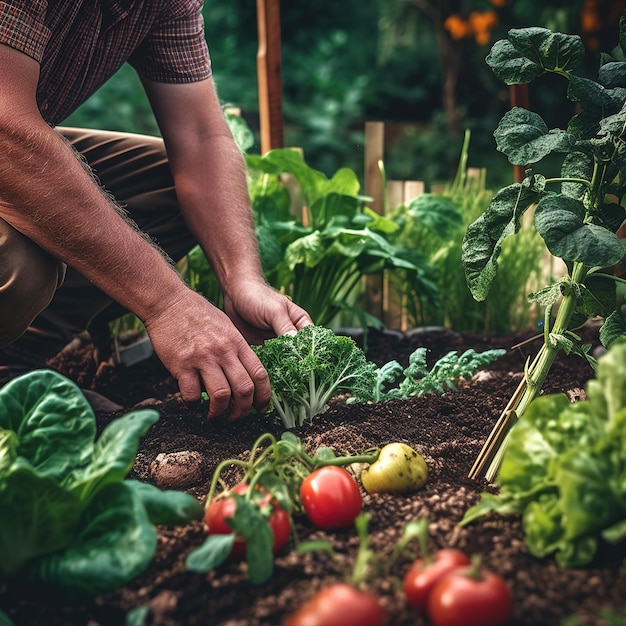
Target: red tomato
(223,507)
(423,574)
(331,497)
(340,605)
(467,598)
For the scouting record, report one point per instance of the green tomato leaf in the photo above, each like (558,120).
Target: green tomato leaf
(559,220)
(324,453)
(616,533)
(115,542)
(250,523)
(211,554)
(524,137)
(435,212)
(484,237)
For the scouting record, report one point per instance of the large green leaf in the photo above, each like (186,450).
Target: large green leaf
(524,137)
(52,419)
(114,543)
(560,221)
(614,328)
(595,97)
(114,452)
(530,52)
(612,74)
(576,165)
(484,237)
(166,507)
(38,517)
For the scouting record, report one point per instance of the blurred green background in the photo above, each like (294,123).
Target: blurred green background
(418,65)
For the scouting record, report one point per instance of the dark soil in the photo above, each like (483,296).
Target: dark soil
(449,431)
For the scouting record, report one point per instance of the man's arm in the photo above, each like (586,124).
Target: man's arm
(210,180)
(46,194)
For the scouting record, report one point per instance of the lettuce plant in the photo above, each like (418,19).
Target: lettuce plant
(577,213)
(69,517)
(564,468)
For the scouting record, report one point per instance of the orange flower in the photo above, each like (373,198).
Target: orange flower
(483,21)
(457,27)
(482,37)
(590,21)
(498,3)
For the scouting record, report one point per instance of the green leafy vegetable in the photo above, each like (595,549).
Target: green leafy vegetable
(307,369)
(564,468)
(317,240)
(418,380)
(69,518)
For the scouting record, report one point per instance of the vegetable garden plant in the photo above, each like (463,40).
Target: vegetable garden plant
(577,212)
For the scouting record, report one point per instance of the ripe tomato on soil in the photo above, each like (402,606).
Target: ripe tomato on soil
(223,507)
(331,497)
(340,604)
(466,597)
(423,574)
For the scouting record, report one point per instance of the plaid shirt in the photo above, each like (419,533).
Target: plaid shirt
(80,44)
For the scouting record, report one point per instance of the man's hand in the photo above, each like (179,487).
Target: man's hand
(202,349)
(260,312)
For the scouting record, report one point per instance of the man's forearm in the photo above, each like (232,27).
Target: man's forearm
(49,196)
(212,191)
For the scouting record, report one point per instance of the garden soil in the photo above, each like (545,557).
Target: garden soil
(183,449)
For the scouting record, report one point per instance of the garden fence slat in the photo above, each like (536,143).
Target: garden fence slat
(373,187)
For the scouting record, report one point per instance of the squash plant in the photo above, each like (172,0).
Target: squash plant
(577,213)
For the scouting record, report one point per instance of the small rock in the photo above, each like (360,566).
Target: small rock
(177,470)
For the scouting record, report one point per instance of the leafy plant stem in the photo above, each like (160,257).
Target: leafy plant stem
(535,375)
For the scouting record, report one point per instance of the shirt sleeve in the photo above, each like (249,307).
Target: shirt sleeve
(22,26)
(175,51)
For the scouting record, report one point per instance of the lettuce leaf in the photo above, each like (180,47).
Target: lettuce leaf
(69,517)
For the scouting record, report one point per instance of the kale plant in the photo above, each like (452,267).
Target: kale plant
(577,213)
(307,369)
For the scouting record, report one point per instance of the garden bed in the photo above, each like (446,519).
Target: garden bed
(448,430)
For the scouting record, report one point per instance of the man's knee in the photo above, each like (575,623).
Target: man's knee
(29,278)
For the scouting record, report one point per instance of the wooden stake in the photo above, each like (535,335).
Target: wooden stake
(269,75)
(518,95)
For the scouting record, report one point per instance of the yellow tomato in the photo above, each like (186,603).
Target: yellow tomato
(398,469)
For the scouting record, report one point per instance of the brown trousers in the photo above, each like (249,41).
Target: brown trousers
(43,306)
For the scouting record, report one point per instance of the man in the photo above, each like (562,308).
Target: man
(58,212)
